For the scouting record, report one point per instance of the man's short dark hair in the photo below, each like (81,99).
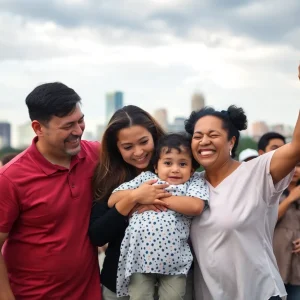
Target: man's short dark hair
(51,99)
(265,139)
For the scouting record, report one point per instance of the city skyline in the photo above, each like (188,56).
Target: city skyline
(23,134)
(157,52)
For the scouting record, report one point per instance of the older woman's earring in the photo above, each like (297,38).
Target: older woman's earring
(230,152)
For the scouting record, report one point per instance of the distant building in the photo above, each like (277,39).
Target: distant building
(258,129)
(99,132)
(283,129)
(114,101)
(161,116)
(197,102)
(177,125)
(5,134)
(88,136)
(25,135)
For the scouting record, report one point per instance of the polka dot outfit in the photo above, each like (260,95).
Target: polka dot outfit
(157,242)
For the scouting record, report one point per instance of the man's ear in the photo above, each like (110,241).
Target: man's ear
(37,128)
(261,152)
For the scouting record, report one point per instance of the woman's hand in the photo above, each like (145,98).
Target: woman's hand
(294,194)
(150,193)
(296,244)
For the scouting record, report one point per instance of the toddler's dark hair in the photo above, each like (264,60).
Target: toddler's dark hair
(178,141)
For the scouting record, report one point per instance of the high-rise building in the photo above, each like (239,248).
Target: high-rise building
(258,129)
(114,101)
(5,134)
(177,125)
(161,116)
(25,135)
(100,131)
(197,102)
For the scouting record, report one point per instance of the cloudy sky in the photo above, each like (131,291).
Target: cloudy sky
(159,52)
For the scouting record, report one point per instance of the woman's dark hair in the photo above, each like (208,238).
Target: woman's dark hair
(51,99)
(178,141)
(112,170)
(234,120)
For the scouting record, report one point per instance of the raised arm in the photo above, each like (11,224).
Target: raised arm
(286,157)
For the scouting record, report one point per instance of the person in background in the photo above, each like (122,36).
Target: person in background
(45,204)
(247,155)
(270,141)
(286,241)
(7,158)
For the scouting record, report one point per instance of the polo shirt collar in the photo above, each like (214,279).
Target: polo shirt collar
(47,167)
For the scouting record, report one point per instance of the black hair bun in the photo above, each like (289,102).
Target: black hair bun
(237,117)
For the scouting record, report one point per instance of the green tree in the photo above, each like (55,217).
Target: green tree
(245,142)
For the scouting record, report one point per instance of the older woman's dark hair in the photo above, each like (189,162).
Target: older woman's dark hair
(234,120)
(112,170)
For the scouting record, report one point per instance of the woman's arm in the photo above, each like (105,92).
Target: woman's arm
(106,224)
(146,193)
(285,204)
(185,205)
(286,157)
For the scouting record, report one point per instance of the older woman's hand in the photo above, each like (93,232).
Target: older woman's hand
(296,244)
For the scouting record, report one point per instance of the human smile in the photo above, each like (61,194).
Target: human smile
(141,159)
(206,152)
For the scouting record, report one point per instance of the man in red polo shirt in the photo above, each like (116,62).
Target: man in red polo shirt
(45,204)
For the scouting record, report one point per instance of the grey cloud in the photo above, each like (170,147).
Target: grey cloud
(214,15)
(92,13)
(132,21)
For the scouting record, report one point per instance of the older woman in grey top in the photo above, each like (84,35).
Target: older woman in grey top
(287,237)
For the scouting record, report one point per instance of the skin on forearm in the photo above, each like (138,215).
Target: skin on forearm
(283,206)
(125,206)
(119,196)
(185,205)
(286,157)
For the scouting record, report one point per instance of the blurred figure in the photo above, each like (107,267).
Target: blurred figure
(287,237)
(7,158)
(270,141)
(247,155)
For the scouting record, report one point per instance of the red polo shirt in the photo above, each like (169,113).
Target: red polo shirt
(46,209)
